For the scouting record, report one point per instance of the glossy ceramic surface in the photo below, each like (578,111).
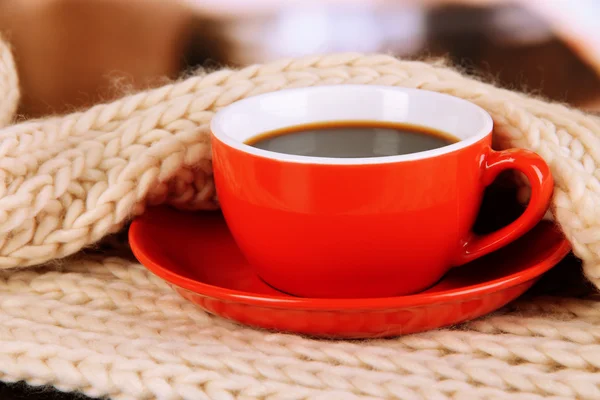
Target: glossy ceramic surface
(197,255)
(363,227)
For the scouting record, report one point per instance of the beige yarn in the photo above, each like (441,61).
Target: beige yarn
(105,326)
(69,181)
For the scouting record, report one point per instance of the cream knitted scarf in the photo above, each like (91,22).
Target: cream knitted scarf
(105,326)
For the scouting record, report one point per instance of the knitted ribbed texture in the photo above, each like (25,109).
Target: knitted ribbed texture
(68,181)
(106,326)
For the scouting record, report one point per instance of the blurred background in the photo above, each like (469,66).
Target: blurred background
(73,53)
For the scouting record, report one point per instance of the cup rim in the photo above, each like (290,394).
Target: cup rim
(219,133)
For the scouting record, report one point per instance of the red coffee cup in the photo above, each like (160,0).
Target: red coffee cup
(363,227)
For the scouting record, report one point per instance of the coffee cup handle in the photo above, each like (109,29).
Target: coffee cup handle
(542,184)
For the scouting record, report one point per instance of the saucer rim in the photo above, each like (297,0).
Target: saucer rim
(349,304)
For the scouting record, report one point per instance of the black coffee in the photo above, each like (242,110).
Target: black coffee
(352,139)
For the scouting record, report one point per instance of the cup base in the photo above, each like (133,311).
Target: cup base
(336,294)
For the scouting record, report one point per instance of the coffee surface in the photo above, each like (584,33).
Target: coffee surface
(352,139)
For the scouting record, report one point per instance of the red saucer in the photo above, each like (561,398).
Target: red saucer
(196,254)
